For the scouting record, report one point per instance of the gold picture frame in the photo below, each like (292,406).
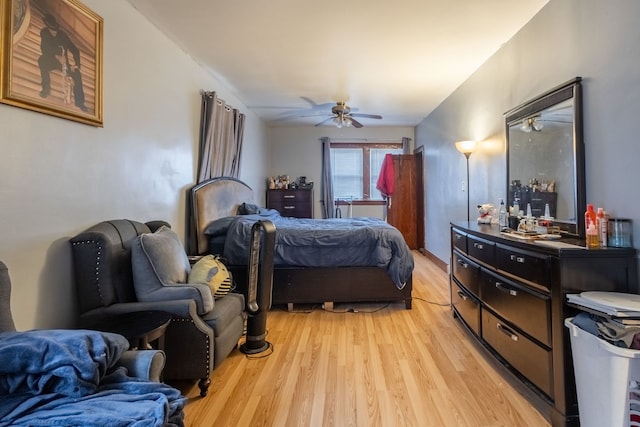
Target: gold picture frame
(51,58)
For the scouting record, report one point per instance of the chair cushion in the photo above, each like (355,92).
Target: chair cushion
(210,270)
(223,313)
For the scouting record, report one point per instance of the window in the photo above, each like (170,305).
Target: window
(355,168)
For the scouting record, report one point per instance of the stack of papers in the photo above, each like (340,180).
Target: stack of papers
(616,304)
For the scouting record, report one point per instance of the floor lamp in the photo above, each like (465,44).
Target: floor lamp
(466,148)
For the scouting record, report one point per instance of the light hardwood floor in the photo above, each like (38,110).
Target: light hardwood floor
(365,365)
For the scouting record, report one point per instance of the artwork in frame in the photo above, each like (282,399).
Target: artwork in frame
(51,58)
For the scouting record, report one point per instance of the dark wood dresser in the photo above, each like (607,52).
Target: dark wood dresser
(296,202)
(511,295)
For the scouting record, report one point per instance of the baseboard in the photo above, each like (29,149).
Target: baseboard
(437,261)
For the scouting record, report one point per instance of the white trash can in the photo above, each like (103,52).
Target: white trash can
(607,380)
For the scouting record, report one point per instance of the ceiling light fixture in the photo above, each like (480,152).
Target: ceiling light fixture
(342,121)
(531,124)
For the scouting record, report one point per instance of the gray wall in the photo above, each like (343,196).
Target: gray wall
(58,177)
(297,151)
(589,38)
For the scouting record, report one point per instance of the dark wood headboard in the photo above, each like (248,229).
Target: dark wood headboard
(213,199)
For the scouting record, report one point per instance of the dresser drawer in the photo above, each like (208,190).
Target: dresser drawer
(481,249)
(466,272)
(530,359)
(519,304)
(291,203)
(467,307)
(289,196)
(459,240)
(533,267)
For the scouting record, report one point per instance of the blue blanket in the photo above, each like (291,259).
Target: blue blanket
(352,242)
(68,378)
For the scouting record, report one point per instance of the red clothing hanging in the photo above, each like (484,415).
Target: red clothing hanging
(386,179)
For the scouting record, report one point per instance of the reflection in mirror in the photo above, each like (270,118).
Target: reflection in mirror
(545,157)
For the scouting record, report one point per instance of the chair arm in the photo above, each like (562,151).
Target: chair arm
(199,292)
(145,364)
(178,308)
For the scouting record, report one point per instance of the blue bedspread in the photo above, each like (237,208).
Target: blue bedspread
(68,378)
(337,242)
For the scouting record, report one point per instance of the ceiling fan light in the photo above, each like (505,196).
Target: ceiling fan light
(537,125)
(347,121)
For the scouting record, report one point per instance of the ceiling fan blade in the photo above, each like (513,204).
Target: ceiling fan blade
(317,115)
(355,123)
(316,106)
(324,121)
(368,116)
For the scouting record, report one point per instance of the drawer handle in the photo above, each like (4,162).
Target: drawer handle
(463,264)
(289,196)
(507,332)
(478,245)
(517,259)
(288,207)
(462,296)
(458,236)
(504,289)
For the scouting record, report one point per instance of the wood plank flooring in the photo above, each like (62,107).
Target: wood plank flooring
(365,365)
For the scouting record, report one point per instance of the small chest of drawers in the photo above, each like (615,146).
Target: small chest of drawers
(297,203)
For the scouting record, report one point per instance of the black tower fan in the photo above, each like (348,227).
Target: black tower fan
(263,242)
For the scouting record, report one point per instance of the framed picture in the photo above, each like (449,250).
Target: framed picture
(51,58)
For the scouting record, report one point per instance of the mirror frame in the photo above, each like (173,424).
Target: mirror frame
(569,90)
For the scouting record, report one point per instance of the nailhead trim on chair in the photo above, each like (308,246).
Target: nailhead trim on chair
(98,257)
(208,361)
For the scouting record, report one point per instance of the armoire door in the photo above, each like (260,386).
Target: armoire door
(404,209)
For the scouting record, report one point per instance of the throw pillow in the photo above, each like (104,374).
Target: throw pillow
(159,261)
(164,250)
(210,270)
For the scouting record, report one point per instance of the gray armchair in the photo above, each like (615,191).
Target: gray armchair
(117,271)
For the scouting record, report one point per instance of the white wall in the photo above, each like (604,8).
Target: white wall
(297,151)
(59,177)
(567,38)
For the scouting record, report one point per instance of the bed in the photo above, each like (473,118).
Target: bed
(217,201)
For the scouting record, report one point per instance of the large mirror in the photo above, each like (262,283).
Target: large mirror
(545,157)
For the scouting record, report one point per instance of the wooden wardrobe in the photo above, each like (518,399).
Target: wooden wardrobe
(405,211)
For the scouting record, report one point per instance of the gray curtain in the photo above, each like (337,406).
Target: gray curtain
(405,144)
(221,133)
(327,185)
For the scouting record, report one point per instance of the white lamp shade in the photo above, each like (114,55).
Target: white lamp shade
(466,147)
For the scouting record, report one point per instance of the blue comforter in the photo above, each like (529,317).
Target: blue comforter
(337,242)
(69,378)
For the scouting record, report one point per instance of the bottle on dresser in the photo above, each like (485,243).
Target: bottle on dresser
(602,220)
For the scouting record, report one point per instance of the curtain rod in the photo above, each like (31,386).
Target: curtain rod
(338,140)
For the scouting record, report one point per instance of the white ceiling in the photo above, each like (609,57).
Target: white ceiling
(287,58)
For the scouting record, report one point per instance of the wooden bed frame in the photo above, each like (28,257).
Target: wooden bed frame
(220,197)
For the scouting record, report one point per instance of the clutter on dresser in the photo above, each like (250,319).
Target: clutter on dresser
(280,182)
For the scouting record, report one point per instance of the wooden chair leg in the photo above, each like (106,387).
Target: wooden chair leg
(204,384)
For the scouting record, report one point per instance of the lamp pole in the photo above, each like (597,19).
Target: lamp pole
(466,148)
(468,203)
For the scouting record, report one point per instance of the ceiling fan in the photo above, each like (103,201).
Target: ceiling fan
(342,116)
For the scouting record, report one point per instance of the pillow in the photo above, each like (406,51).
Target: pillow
(160,268)
(165,251)
(219,226)
(210,270)
(248,209)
